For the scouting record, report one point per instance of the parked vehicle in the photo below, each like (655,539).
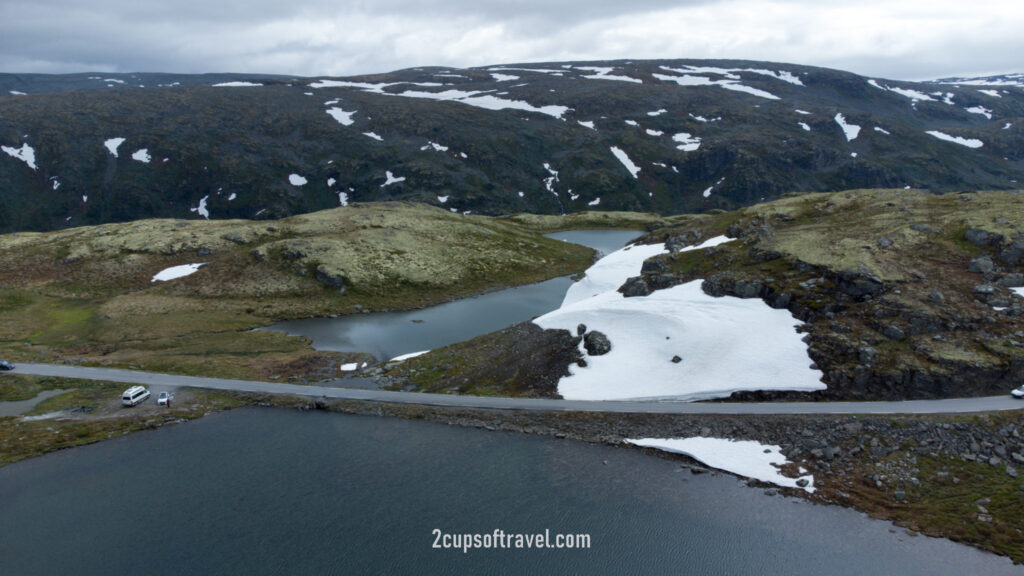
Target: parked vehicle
(164,399)
(5,365)
(134,395)
(1017,392)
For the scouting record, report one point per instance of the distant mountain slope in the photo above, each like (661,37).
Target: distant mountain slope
(665,136)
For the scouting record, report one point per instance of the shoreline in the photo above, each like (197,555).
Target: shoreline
(921,472)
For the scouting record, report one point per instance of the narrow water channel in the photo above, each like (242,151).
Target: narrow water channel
(386,335)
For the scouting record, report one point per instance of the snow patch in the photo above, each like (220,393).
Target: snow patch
(804,112)
(175,272)
(236,84)
(26,154)
(232,197)
(992,93)
(905,92)
(350,367)
(17,93)
(654,132)
(435,146)
(331,182)
(969,142)
(632,123)
(503,77)
(442,199)
(657,112)
(201,209)
(373,135)
(594,202)
(343,117)
(405,357)
(804,126)
(549,182)
(587,124)
(745,458)
(342,199)
(296,180)
(142,155)
(633,168)
(687,142)
(112,145)
(850,130)
(391,179)
(882,130)
(606,74)
(980,110)
(731,81)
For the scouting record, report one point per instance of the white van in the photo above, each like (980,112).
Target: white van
(134,395)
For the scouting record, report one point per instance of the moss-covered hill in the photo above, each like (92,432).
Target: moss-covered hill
(88,293)
(905,294)
(667,136)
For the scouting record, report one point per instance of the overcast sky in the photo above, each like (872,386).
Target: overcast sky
(899,39)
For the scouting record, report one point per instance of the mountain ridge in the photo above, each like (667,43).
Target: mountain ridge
(666,136)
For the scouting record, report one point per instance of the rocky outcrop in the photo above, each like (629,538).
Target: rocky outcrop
(596,343)
(330,277)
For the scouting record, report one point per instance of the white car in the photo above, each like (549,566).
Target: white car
(164,399)
(1017,392)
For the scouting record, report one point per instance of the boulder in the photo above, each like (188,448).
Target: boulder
(859,285)
(596,343)
(1014,280)
(925,228)
(653,266)
(894,333)
(1013,254)
(686,238)
(981,265)
(982,238)
(635,286)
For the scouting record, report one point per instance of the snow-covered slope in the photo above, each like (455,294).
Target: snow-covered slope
(678,343)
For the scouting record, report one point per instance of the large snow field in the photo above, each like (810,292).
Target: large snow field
(725,344)
(741,457)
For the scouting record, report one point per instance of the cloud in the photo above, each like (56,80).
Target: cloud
(894,39)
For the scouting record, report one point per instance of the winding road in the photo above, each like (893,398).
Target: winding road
(157,380)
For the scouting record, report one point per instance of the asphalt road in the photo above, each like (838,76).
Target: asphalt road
(158,381)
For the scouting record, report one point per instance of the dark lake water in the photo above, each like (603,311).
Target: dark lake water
(268,491)
(390,334)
